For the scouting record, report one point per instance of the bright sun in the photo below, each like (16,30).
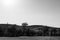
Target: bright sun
(8,2)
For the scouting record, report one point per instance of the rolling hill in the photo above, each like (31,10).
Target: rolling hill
(13,30)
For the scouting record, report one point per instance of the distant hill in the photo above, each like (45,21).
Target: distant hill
(32,26)
(30,30)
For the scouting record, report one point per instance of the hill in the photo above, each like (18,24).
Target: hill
(13,30)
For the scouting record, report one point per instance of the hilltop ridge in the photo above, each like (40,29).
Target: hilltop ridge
(13,30)
(28,25)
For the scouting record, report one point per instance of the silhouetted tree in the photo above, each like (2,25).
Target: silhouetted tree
(24,24)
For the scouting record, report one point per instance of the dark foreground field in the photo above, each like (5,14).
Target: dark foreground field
(30,38)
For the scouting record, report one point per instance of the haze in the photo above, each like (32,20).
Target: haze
(34,12)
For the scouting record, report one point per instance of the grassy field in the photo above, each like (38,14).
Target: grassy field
(30,38)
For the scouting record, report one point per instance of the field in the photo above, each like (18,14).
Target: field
(30,38)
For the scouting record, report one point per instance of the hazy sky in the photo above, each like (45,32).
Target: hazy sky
(39,12)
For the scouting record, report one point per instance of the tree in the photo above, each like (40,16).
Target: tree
(24,24)
(24,27)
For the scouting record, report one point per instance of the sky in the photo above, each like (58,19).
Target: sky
(34,12)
